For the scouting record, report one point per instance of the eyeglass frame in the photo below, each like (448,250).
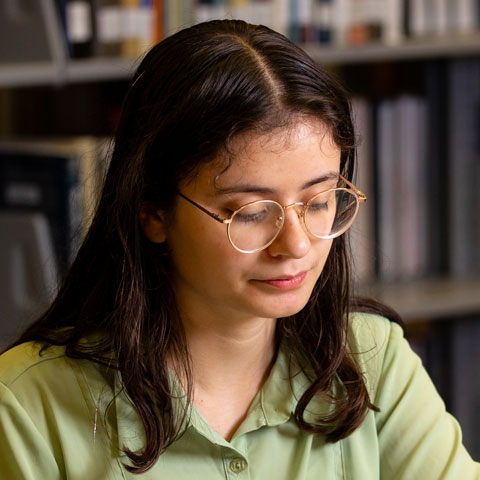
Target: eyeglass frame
(361,198)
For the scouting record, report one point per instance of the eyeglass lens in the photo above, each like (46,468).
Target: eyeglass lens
(328,214)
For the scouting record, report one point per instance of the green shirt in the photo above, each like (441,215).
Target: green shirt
(52,424)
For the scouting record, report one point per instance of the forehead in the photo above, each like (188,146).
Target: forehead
(285,157)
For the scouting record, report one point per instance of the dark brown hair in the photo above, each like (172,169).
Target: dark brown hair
(192,94)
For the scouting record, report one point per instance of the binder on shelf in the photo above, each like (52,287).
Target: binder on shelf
(30,32)
(60,179)
(79,24)
(29,273)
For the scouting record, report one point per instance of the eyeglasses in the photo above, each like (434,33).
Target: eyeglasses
(255,226)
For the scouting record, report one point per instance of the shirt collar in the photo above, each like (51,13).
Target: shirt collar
(273,405)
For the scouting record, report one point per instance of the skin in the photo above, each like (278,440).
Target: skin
(229,300)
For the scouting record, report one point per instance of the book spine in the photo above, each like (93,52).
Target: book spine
(108,20)
(322,18)
(80,28)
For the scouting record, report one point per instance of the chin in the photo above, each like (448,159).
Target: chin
(282,309)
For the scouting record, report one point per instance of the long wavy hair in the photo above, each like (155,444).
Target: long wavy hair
(190,96)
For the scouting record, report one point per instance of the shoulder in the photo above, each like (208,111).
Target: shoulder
(373,342)
(30,372)
(371,331)
(28,359)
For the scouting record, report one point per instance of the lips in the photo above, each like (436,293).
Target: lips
(286,282)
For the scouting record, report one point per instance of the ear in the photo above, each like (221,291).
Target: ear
(152,222)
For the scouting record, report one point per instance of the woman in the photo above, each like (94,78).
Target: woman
(204,330)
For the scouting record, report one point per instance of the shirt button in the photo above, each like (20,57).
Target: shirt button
(238,465)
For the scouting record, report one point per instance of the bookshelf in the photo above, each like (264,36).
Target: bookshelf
(422,299)
(424,303)
(57,73)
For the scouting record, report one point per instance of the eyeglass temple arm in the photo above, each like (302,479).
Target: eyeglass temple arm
(361,196)
(204,210)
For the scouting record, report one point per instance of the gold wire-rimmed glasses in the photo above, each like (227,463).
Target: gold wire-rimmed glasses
(255,225)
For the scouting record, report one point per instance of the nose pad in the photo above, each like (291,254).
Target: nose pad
(301,213)
(299,210)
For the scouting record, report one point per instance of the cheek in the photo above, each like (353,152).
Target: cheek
(198,249)
(323,249)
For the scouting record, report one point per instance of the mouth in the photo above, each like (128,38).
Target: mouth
(286,282)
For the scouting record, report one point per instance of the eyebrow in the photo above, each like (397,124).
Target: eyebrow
(251,188)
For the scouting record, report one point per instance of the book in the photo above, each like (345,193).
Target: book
(341,13)
(436,93)
(467,15)
(137,27)
(322,20)
(417,21)
(464,167)
(412,183)
(387,178)
(362,238)
(108,27)
(79,25)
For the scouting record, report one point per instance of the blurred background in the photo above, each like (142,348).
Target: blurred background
(412,69)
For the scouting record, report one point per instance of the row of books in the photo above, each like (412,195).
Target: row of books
(419,163)
(351,22)
(128,27)
(120,28)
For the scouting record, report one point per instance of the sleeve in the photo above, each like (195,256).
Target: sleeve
(418,438)
(24,453)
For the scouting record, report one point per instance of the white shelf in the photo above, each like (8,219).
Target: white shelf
(73,71)
(425,48)
(25,74)
(430,299)
(104,69)
(98,69)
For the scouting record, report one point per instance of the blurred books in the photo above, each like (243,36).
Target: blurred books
(48,193)
(127,28)
(420,169)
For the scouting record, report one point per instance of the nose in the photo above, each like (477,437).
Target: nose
(293,240)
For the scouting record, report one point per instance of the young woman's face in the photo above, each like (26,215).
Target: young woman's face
(210,276)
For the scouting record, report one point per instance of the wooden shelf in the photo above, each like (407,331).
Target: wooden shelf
(424,48)
(429,299)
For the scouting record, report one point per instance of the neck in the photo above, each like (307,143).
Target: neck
(231,360)
(226,358)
